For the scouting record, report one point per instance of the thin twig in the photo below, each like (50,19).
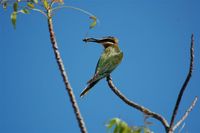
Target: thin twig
(186,114)
(184,84)
(64,75)
(74,8)
(137,106)
(38,10)
(78,9)
(181,128)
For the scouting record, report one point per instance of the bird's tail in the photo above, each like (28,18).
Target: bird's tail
(86,90)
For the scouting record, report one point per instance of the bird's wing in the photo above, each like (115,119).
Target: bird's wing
(106,64)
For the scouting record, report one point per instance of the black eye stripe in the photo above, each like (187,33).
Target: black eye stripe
(108,40)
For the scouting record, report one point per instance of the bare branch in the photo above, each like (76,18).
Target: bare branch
(168,128)
(184,84)
(186,114)
(137,106)
(64,75)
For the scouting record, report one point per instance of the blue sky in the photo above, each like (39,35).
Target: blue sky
(155,39)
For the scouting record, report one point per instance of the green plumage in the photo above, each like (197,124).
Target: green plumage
(109,60)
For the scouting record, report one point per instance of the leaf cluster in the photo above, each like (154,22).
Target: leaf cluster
(119,126)
(41,6)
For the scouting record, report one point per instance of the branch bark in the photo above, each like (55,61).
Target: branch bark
(183,88)
(137,106)
(64,74)
(186,114)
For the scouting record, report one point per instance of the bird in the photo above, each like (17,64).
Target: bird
(109,60)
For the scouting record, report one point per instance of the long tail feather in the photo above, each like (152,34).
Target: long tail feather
(93,79)
(86,90)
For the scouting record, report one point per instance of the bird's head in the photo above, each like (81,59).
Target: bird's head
(105,41)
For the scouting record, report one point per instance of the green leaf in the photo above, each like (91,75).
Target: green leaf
(5,5)
(94,23)
(31,5)
(61,2)
(46,4)
(15,6)
(116,130)
(34,1)
(137,131)
(147,130)
(14,18)
(122,127)
(113,122)
(25,11)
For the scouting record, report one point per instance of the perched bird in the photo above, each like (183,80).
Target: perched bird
(109,60)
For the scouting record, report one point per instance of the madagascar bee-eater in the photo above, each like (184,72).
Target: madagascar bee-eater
(109,60)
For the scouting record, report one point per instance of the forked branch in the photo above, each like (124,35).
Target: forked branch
(183,88)
(169,128)
(186,114)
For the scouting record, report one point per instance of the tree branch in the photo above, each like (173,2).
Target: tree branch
(169,128)
(184,84)
(186,114)
(137,106)
(64,74)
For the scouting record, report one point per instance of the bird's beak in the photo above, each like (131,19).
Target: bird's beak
(91,40)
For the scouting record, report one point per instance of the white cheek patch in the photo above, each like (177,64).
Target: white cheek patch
(108,43)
